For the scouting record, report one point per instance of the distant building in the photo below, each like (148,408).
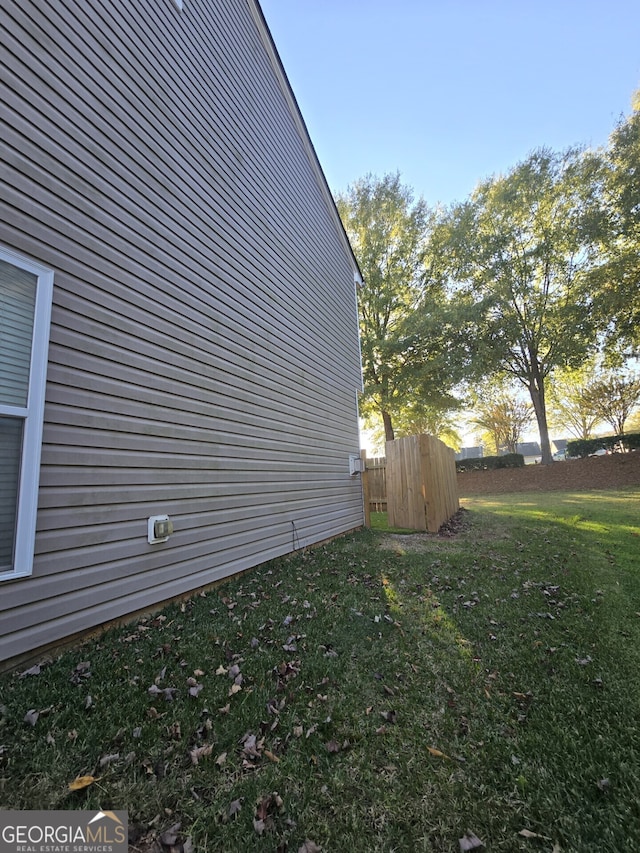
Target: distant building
(470,453)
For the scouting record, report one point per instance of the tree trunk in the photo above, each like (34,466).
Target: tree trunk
(536,391)
(388,426)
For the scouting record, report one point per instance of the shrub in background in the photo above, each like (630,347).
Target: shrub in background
(488,463)
(579,448)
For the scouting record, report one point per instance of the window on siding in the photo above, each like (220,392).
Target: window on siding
(25,309)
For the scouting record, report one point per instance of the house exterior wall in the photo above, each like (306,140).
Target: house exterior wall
(203,357)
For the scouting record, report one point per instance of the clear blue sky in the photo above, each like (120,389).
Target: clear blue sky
(451,91)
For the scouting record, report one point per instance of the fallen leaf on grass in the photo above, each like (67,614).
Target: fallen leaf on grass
(332,746)
(438,754)
(35,670)
(31,717)
(234,807)
(168,692)
(221,759)
(235,688)
(251,746)
(109,759)
(270,755)
(526,833)
(170,836)
(200,752)
(81,672)
(469,841)
(266,808)
(309,847)
(81,782)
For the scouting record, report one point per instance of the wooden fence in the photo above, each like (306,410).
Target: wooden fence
(416,482)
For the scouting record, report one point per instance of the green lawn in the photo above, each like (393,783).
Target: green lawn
(384,692)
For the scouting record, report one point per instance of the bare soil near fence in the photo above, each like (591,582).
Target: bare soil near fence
(598,472)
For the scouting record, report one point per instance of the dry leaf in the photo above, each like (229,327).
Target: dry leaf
(80,672)
(526,833)
(438,754)
(169,837)
(268,754)
(31,717)
(221,759)
(235,688)
(332,746)
(109,759)
(81,782)
(309,847)
(35,670)
(200,752)
(234,807)
(469,841)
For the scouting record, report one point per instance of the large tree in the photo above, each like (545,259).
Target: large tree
(616,280)
(614,395)
(570,405)
(389,230)
(517,249)
(501,414)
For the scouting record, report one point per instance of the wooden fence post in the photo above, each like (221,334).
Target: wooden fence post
(365,489)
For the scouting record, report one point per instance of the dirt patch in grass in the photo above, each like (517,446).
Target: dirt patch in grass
(416,542)
(598,472)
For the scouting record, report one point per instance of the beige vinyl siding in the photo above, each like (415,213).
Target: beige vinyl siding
(203,353)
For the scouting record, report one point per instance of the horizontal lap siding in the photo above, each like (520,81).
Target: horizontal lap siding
(203,354)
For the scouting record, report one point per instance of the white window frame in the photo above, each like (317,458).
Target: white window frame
(32,416)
